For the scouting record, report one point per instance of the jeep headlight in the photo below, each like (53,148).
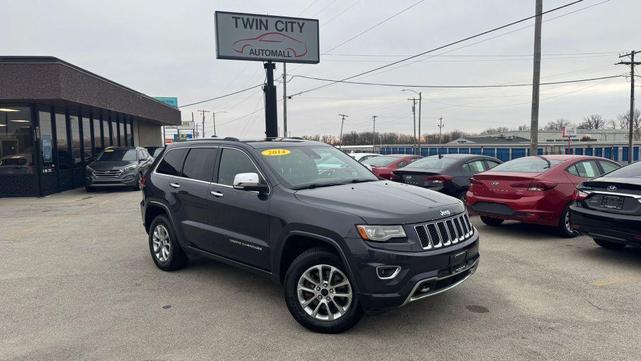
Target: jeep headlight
(380,233)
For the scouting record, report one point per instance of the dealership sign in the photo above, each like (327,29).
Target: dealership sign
(266,38)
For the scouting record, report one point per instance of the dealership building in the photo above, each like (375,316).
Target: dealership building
(55,117)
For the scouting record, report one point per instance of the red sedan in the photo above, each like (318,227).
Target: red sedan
(384,165)
(534,190)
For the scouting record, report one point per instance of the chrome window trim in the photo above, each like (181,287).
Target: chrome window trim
(205,182)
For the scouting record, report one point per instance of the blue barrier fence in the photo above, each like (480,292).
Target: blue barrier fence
(616,152)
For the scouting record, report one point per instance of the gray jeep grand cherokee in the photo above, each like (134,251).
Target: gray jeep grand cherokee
(339,240)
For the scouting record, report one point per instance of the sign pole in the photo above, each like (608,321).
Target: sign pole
(271,115)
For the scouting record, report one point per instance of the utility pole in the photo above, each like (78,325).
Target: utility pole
(285,101)
(343,116)
(632,63)
(193,122)
(203,112)
(414,116)
(374,133)
(213,115)
(440,134)
(536,79)
(420,103)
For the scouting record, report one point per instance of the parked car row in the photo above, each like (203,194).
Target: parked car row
(574,194)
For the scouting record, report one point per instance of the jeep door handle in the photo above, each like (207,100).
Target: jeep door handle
(216,194)
(174,185)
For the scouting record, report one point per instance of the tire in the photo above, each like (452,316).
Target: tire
(163,246)
(608,244)
(89,189)
(308,264)
(494,222)
(565,227)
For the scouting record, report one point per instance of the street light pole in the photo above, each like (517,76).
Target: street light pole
(374,133)
(213,114)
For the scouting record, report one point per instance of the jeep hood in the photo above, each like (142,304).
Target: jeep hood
(383,202)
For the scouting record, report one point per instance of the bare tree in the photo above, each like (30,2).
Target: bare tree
(523,128)
(594,121)
(624,122)
(558,124)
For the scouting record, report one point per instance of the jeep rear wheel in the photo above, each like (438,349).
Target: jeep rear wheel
(163,246)
(319,293)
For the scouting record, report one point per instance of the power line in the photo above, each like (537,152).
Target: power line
(374,55)
(221,96)
(458,86)
(441,47)
(373,27)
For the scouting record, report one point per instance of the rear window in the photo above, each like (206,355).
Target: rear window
(172,163)
(380,161)
(433,162)
(527,165)
(630,171)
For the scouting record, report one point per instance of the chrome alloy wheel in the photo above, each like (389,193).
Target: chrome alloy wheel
(161,244)
(324,292)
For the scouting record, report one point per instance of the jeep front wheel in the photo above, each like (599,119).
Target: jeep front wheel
(319,293)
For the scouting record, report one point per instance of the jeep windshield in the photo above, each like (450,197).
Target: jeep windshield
(312,166)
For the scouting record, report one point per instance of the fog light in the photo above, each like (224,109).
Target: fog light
(387,272)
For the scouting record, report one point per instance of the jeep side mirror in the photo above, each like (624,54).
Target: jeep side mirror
(249,182)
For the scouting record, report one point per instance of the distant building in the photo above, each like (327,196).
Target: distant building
(551,136)
(491,139)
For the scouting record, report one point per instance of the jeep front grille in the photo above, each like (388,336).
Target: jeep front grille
(445,232)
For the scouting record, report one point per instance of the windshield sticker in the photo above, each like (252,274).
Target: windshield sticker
(275,152)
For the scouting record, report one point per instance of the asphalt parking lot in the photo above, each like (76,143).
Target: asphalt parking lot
(77,282)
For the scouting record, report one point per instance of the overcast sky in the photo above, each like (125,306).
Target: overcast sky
(166,48)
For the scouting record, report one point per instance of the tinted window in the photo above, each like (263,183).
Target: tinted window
(433,162)
(233,162)
(62,148)
(490,164)
(380,161)
(46,138)
(172,163)
(97,125)
(588,169)
(76,146)
(106,132)
(608,166)
(86,137)
(402,164)
(476,166)
(631,171)
(199,164)
(527,165)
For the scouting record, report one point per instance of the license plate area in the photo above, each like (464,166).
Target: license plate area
(410,179)
(612,202)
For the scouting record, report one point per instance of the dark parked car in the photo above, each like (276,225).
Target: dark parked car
(310,217)
(118,167)
(609,208)
(447,173)
(536,190)
(385,165)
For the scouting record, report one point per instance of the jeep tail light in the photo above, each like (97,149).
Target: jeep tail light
(143,180)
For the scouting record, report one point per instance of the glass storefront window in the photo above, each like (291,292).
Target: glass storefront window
(76,148)
(16,141)
(121,132)
(130,134)
(86,137)
(97,138)
(46,138)
(115,129)
(105,131)
(62,147)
